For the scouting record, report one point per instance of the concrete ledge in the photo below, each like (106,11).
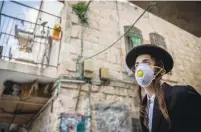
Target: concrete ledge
(49,72)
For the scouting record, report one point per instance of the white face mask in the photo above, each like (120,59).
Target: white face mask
(144,75)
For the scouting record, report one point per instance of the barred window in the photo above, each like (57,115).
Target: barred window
(158,40)
(133,37)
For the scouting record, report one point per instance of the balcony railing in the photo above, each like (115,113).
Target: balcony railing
(27,42)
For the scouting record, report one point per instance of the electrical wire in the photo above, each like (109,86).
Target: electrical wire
(123,34)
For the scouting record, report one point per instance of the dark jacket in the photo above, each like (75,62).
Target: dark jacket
(184,107)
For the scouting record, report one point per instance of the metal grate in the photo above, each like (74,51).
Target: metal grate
(158,40)
(27,41)
(133,37)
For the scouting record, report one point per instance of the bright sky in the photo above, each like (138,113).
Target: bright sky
(9,43)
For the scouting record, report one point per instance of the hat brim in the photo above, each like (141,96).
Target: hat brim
(153,50)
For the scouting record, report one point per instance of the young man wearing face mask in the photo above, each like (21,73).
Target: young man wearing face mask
(164,108)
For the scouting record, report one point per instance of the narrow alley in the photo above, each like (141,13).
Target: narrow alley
(63,66)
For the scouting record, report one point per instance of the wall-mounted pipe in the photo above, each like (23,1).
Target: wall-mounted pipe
(72,81)
(89,111)
(78,98)
(80,63)
(83,30)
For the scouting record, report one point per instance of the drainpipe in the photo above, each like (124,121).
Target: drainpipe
(83,29)
(89,110)
(80,63)
(82,44)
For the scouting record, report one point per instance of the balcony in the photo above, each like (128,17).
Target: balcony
(28,44)
(29,59)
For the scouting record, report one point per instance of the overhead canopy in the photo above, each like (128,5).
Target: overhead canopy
(184,14)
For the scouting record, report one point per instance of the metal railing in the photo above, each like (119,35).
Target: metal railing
(24,41)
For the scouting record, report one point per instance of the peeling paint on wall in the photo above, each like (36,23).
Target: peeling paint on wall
(112,118)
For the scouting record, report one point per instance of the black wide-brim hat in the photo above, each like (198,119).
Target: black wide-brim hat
(153,50)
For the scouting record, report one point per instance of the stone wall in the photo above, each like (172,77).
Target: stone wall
(106,24)
(112,97)
(183,46)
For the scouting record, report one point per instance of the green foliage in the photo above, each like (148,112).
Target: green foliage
(80,9)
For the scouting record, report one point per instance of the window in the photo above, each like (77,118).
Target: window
(158,40)
(133,37)
(136,125)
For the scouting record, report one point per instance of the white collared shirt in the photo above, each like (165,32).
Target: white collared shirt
(150,105)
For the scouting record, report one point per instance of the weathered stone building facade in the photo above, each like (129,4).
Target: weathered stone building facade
(114,106)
